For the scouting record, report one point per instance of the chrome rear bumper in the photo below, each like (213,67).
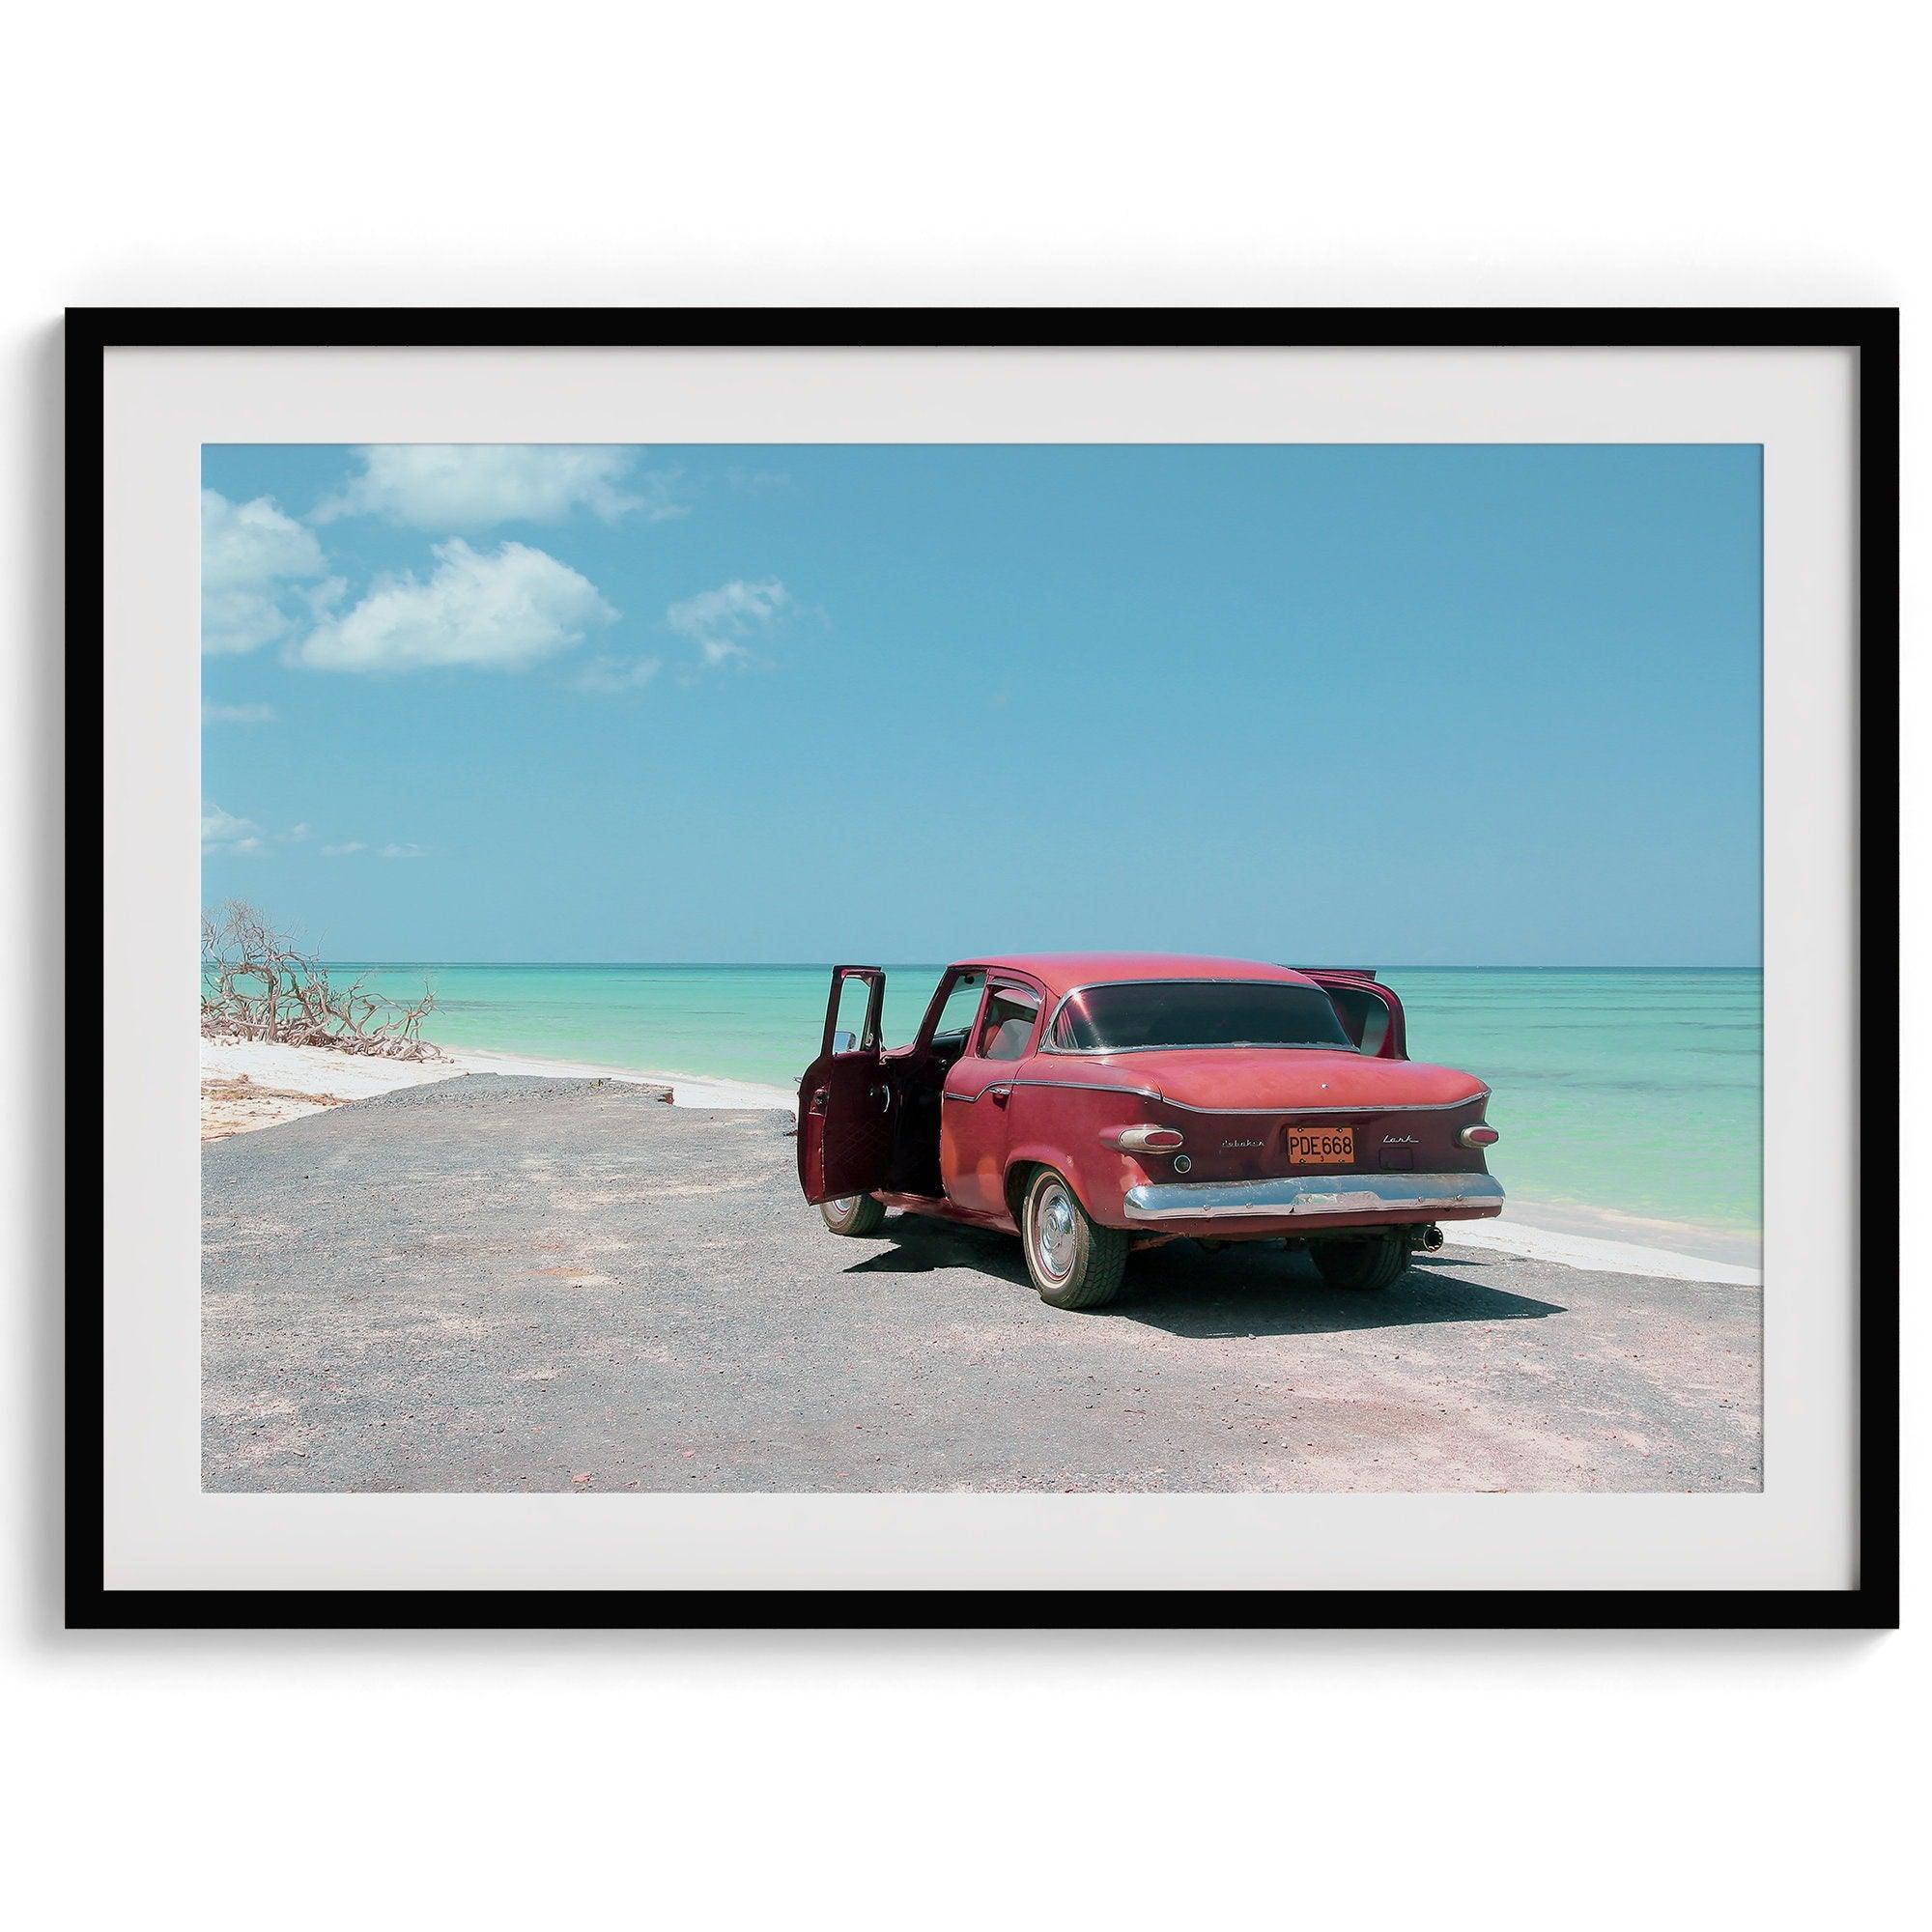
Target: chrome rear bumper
(1311,1196)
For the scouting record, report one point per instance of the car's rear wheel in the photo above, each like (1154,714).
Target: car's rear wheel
(1073,1261)
(1364,1267)
(853,1214)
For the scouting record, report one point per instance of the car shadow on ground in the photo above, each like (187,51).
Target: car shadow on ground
(1247,1289)
(918,1244)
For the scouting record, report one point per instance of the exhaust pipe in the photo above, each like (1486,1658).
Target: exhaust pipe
(1428,1240)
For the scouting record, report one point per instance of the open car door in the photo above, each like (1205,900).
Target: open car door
(846,1120)
(1371,1015)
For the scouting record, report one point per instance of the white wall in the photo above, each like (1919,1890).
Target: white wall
(376,154)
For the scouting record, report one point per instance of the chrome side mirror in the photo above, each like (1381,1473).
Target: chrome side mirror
(844,1042)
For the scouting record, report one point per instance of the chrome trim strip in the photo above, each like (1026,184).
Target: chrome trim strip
(1309,1197)
(1094,1087)
(1284,1113)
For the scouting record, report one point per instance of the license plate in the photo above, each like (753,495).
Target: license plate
(1321,1147)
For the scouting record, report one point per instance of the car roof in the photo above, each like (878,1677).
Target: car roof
(1062,972)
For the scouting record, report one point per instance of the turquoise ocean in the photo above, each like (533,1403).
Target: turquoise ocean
(1627,1099)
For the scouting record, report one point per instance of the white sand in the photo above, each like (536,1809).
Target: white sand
(335,1077)
(1509,1236)
(356,1076)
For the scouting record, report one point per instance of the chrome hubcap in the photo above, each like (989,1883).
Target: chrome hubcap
(1054,1230)
(843,1206)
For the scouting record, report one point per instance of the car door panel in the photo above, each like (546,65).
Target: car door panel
(847,1116)
(973,1125)
(1369,1014)
(973,1132)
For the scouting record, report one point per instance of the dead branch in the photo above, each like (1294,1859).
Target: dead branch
(256,984)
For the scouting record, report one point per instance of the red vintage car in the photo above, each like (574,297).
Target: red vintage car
(1093,1103)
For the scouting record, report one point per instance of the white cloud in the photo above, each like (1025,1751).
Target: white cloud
(219,824)
(251,557)
(222,831)
(252,543)
(610,676)
(502,611)
(720,621)
(399,850)
(238,714)
(735,607)
(446,487)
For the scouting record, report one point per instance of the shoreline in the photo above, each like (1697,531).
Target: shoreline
(247,1085)
(328,1078)
(1529,1239)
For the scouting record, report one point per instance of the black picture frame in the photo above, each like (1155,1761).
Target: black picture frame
(1872,333)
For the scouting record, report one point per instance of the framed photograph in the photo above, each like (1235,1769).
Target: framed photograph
(1138,968)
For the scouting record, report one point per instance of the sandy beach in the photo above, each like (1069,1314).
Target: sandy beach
(247,1085)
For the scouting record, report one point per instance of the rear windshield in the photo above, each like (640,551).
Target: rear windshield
(1181,1013)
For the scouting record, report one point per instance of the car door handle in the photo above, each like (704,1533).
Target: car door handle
(999,1094)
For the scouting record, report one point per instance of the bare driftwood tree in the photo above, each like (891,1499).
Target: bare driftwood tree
(258,985)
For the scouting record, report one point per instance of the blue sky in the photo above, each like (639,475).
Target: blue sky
(1400,705)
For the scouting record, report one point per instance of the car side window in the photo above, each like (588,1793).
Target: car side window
(851,1029)
(1007,1026)
(962,1002)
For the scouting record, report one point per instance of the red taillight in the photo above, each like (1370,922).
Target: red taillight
(1143,1138)
(1478,1136)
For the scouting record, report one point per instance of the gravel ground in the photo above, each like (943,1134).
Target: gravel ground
(516,1284)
